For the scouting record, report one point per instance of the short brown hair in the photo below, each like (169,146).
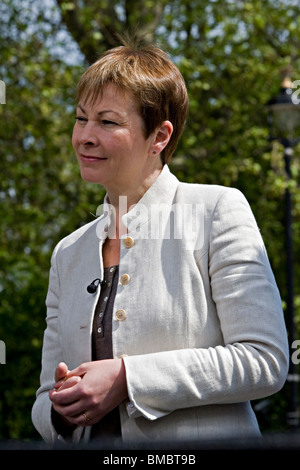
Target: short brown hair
(149,74)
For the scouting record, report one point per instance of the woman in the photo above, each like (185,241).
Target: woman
(163,315)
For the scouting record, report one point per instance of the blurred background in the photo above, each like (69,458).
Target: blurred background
(234,56)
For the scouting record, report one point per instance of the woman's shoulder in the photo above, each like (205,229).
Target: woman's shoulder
(207,193)
(213,200)
(81,234)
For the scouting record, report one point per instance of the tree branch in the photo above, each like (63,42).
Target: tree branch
(95,29)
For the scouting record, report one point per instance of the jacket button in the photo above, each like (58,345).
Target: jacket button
(128,242)
(125,279)
(120,315)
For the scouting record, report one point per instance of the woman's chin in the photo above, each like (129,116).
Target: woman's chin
(90,177)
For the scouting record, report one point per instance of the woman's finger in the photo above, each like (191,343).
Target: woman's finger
(67,382)
(61,371)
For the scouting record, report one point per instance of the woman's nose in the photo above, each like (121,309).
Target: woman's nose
(88,136)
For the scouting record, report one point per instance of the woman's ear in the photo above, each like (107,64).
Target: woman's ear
(162,136)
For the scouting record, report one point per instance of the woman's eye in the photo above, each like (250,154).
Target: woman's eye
(80,119)
(106,122)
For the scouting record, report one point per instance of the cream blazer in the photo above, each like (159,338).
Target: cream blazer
(199,324)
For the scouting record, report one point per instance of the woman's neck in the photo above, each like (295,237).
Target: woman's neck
(123,199)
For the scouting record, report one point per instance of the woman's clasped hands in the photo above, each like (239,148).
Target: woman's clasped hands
(84,395)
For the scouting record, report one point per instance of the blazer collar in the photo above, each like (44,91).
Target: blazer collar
(161,192)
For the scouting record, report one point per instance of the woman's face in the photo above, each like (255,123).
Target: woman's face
(109,141)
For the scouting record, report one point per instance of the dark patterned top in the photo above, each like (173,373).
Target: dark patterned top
(109,426)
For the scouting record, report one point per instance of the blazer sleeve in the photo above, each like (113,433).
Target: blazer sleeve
(51,356)
(253,361)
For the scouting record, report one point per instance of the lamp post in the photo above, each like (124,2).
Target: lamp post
(284,120)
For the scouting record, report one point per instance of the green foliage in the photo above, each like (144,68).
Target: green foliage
(231,54)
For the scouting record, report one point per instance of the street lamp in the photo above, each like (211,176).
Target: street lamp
(284,123)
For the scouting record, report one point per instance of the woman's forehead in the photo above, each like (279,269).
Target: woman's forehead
(109,96)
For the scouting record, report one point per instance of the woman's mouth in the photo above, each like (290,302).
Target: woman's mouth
(91,158)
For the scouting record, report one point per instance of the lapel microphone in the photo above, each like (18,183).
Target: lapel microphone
(93,286)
